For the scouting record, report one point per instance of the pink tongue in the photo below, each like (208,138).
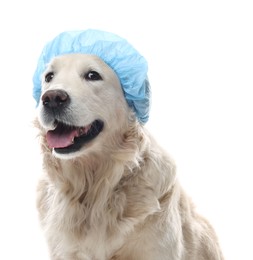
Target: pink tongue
(56,140)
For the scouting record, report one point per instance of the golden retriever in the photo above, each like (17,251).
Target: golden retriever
(109,191)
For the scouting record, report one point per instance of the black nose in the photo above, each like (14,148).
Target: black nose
(55,98)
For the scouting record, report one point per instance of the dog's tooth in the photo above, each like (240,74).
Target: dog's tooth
(81,130)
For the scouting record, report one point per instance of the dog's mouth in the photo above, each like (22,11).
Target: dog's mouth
(66,138)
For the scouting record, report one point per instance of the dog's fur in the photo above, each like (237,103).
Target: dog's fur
(117,197)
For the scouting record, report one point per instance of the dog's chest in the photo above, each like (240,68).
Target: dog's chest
(78,231)
(94,245)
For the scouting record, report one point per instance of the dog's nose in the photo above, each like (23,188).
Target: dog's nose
(55,98)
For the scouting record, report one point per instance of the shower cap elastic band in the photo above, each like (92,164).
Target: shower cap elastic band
(122,57)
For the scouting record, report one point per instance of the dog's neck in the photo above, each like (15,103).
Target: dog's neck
(96,173)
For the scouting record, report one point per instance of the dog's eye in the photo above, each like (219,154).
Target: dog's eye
(49,76)
(92,75)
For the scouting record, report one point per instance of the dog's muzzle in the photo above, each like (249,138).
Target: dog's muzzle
(65,137)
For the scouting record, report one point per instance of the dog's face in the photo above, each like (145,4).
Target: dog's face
(82,103)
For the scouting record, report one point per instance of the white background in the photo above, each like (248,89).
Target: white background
(200,56)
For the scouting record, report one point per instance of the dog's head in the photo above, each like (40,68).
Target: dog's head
(89,85)
(81,101)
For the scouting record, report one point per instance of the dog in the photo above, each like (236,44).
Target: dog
(108,190)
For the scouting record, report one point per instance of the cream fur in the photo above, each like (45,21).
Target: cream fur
(118,197)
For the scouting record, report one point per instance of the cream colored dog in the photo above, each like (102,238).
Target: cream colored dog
(108,191)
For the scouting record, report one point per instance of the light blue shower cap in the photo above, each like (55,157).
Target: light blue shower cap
(115,51)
